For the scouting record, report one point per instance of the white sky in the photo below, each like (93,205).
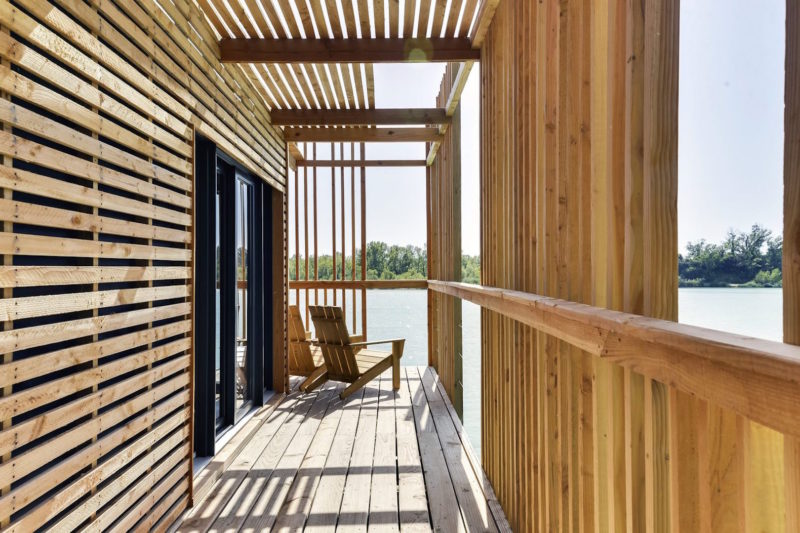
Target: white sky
(730,150)
(730,133)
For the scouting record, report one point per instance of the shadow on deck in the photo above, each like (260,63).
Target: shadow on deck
(379,460)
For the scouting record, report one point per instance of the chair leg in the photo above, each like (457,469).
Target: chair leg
(397,353)
(315,379)
(395,372)
(366,377)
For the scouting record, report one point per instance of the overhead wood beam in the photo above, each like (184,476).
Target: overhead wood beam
(359,117)
(347,50)
(365,163)
(361,134)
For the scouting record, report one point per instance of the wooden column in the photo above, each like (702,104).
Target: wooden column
(791,239)
(443,194)
(280,291)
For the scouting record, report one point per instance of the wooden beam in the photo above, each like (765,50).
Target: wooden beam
(360,164)
(359,117)
(358,284)
(361,134)
(347,50)
(753,377)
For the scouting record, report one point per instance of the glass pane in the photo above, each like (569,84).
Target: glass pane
(242,244)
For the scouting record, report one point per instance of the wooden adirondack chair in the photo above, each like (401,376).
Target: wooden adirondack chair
(304,357)
(348,360)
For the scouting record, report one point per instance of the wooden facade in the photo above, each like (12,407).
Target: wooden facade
(100,103)
(599,412)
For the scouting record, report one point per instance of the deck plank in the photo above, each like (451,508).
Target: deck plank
(442,500)
(471,501)
(201,517)
(328,497)
(486,487)
(354,512)
(270,500)
(247,496)
(296,507)
(383,515)
(379,460)
(412,499)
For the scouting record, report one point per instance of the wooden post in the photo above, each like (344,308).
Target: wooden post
(791,239)
(362,156)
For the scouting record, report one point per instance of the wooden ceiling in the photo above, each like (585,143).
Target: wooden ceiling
(331,85)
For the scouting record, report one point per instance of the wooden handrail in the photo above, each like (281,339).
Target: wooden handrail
(359,284)
(758,379)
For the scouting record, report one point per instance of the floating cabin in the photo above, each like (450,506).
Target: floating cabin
(153,152)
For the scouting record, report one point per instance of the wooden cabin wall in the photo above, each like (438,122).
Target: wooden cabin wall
(579,201)
(444,250)
(99,107)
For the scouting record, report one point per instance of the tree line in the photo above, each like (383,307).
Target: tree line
(383,262)
(743,259)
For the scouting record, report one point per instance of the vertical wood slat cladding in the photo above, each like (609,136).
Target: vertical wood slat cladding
(444,249)
(579,201)
(100,102)
(578,185)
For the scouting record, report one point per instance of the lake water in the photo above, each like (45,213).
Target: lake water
(403,313)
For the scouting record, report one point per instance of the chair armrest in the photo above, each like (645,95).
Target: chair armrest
(368,343)
(356,338)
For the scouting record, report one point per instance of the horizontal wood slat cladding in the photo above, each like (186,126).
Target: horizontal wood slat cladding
(99,104)
(579,202)
(444,248)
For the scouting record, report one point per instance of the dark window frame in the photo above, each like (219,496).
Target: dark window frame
(208,160)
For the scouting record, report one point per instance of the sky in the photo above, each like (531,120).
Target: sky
(730,147)
(730,150)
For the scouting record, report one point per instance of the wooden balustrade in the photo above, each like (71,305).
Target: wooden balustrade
(359,284)
(756,378)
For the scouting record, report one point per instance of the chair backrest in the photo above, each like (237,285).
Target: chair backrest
(334,340)
(301,362)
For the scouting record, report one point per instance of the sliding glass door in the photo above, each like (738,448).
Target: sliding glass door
(232,267)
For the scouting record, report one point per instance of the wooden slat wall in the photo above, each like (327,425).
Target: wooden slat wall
(99,103)
(443,189)
(579,202)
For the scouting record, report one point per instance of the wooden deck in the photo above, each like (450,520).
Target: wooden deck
(379,460)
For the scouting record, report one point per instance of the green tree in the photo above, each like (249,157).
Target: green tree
(739,260)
